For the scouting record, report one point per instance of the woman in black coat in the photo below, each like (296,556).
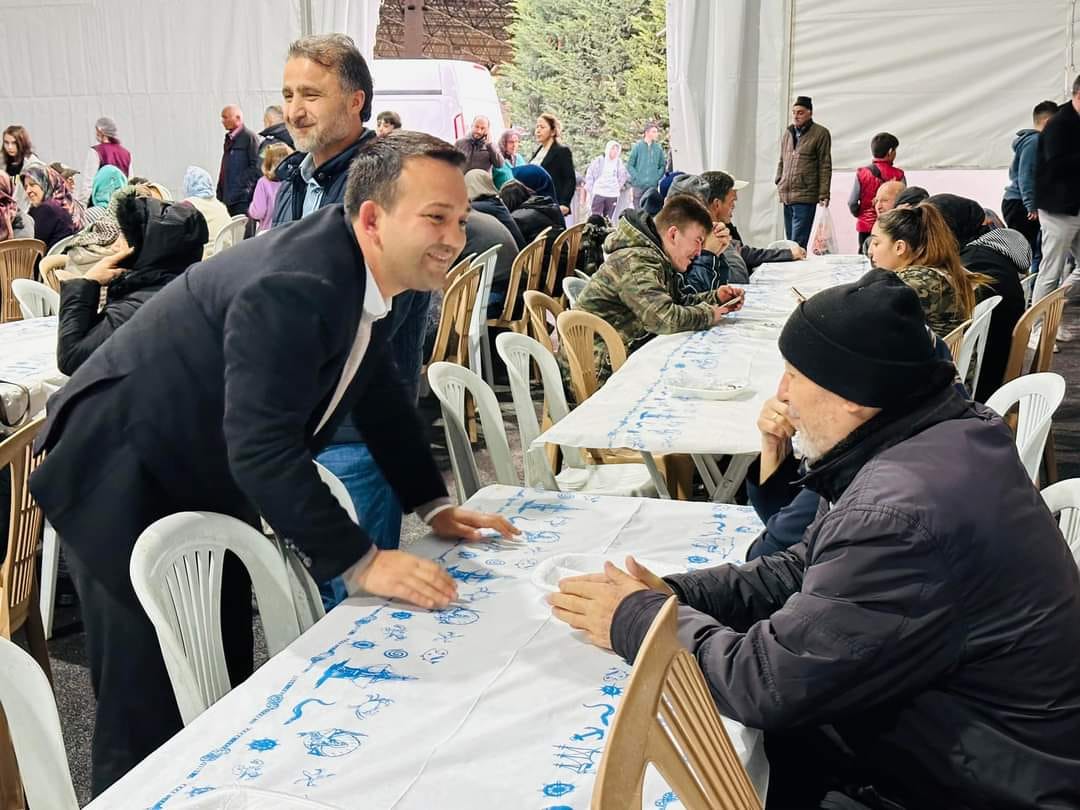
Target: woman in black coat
(484,198)
(532,212)
(557,159)
(158,242)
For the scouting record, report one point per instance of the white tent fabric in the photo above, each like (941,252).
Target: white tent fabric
(952,80)
(161,70)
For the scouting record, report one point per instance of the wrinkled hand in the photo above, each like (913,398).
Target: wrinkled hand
(719,239)
(797,253)
(401,575)
(105,271)
(465,524)
(589,603)
(776,433)
(644,575)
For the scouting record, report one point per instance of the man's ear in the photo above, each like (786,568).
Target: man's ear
(368,219)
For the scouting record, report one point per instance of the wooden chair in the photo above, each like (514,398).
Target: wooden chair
(19,604)
(578,331)
(48,269)
(569,241)
(539,305)
(669,719)
(524,275)
(17,259)
(955,338)
(451,339)
(1048,312)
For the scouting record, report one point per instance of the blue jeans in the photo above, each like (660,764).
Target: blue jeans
(798,220)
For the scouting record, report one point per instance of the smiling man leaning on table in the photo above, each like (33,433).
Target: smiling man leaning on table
(918,648)
(216,395)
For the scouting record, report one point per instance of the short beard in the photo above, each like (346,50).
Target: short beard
(805,448)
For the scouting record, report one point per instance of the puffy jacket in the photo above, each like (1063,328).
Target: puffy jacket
(906,619)
(537,213)
(804,172)
(1057,167)
(170,238)
(861,201)
(289,205)
(1025,147)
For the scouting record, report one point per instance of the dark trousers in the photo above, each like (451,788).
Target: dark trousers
(1015,215)
(136,709)
(798,220)
(863,239)
(605,206)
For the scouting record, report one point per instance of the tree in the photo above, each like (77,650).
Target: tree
(599,65)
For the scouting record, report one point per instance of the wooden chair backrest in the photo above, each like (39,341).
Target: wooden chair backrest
(539,305)
(1048,312)
(17,257)
(955,338)
(569,241)
(24,528)
(578,331)
(668,718)
(524,275)
(450,338)
(48,267)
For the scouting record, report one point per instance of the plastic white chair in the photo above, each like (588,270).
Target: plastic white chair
(1038,397)
(516,352)
(32,718)
(974,340)
(1027,284)
(782,244)
(60,246)
(1063,500)
(572,288)
(50,566)
(479,347)
(176,571)
(35,299)
(230,234)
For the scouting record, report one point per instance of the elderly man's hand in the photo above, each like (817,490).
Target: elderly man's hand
(466,524)
(588,603)
(776,433)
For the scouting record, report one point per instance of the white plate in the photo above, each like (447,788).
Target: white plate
(547,574)
(720,392)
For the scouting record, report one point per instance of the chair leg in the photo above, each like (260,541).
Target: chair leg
(11,790)
(50,562)
(485,355)
(35,636)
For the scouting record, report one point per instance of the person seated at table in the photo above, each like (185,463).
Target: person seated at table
(199,193)
(530,198)
(158,241)
(918,246)
(52,221)
(216,395)
(884,200)
(1001,255)
(910,197)
(902,651)
(636,291)
(481,232)
(484,198)
(13,223)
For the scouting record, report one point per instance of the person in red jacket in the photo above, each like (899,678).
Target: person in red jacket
(867,181)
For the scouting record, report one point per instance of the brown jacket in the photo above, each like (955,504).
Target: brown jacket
(803,175)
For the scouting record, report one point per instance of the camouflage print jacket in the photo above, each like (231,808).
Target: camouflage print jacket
(936,295)
(635,291)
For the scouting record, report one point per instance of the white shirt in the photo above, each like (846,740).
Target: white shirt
(538,158)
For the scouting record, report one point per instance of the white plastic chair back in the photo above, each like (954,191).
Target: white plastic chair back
(61,245)
(32,718)
(572,287)
(1038,396)
(230,234)
(450,382)
(176,571)
(1063,500)
(973,343)
(782,244)
(1027,284)
(35,299)
(479,349)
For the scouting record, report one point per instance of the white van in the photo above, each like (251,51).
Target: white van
(437,96)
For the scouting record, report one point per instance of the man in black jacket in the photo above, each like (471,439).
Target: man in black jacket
(216,396)
(239,162)
(907,649)
(1057,196)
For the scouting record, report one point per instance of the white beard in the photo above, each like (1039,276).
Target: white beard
(803,447)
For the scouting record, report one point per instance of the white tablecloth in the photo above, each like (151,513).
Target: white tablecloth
(488,704)
(636,408)
(28,357)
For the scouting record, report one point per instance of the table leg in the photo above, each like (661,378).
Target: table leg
(733,477)
(654,473)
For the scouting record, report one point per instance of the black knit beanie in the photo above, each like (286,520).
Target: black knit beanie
(866,341)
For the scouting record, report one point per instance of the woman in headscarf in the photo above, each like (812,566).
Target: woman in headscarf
(199,192)
(556,159)
(1002,255)
(605,180)
(13,223)
(157,242)
(528,196)
(52,221)
(484,198)
(508,148)
(107,182)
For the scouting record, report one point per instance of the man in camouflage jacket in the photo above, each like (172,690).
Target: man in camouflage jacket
(635,289)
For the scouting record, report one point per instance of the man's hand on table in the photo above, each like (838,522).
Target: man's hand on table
(455,523)
(589,602)
(797,253)
(730,299)
(776,433)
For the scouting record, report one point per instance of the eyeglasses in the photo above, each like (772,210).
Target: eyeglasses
(14,399)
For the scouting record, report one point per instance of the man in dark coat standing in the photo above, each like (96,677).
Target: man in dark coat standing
(919,645)
(239,162)
(217,395)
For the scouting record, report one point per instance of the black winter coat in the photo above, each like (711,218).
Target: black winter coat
(559,163)
(289,204)
(930,616)
(982,258)
(495,207)
(239,169)
(537,213)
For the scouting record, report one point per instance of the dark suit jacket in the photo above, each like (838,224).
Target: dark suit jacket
(559,163)
(216,386)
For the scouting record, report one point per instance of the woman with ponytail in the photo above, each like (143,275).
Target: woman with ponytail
(919,247)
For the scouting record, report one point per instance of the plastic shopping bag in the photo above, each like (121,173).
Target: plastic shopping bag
(823,234)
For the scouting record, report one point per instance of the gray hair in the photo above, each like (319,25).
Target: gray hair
(338,52)
(107,127)
(378,164)
(275,112)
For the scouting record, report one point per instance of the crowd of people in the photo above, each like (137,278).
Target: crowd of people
(881,634)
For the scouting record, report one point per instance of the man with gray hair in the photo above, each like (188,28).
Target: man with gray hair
(274,130)
(478,148)
(106,152)
(239,162)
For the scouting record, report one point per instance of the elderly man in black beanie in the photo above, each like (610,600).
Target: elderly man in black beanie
(907,653)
